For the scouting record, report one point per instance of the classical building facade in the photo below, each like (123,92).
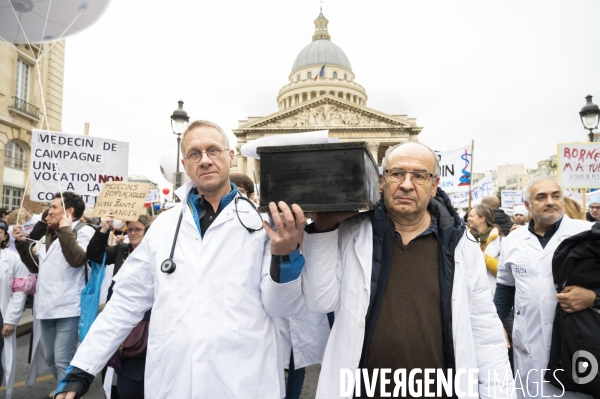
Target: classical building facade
(21,110)
(322,94)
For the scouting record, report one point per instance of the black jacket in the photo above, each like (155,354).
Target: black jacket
(576,261)
(450,230)
(116,254)
(503,220)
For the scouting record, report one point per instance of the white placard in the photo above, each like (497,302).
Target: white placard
(455,169)
(511,198)
(579,165)
(153,196)
(82,164)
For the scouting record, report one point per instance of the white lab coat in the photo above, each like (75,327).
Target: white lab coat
(337,276)
(212,331)
(527,266)
(11,305)
(59,285)
(305,333)
(493,250)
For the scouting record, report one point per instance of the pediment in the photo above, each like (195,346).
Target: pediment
(329,112)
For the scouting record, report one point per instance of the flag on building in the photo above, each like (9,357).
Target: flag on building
(321,73)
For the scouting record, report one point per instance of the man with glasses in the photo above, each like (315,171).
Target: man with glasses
(214,280)
(409,289)
(594,212)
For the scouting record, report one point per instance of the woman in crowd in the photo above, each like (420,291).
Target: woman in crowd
(11,307)
(130,381)
(481,224)
(573,209)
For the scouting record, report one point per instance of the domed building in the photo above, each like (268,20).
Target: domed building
(322,95)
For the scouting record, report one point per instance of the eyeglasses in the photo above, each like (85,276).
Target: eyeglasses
(136,230)
(212,153)
(399,176)
(594,207)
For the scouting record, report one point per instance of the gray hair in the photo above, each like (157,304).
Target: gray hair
(201,123)
(436,168)
(534,180)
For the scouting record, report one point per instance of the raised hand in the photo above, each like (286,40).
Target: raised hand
(289,228)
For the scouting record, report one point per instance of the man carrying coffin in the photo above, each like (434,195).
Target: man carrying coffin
(409,289)
(214,280)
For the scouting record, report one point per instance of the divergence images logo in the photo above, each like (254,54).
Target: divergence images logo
(581,366)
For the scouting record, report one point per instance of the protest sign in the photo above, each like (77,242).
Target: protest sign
(590,198)
(511,198)
(124,200)
(81,164)
(153,196)
(481,189)
(455,169)
(579,165)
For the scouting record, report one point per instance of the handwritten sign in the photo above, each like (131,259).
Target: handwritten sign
(81,164)
(481,189)
(579,165)
(455,169)
(511,198)
(124,200)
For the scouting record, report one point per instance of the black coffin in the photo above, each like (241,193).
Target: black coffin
(319,177)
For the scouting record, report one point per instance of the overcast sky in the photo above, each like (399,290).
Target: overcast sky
(512,75)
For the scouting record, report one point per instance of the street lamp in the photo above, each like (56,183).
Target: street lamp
(179,121)
(590,114)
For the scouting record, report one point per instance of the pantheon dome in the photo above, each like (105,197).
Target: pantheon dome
(321,51)
(321,94)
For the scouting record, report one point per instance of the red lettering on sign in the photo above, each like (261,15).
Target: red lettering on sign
(568,165)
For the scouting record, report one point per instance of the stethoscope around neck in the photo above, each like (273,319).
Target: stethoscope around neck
(168,266)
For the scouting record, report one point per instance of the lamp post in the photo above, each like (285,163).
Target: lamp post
(179,121)
(590,115)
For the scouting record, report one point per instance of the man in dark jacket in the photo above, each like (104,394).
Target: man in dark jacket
(500,218)
(593,214)
(406,260)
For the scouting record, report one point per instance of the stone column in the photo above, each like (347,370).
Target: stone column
(374,150)
(241,160)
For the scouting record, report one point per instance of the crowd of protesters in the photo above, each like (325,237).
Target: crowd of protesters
(202,301)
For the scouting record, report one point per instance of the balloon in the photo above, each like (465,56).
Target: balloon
(166,191)
(157,207)
(168,165)
(47,20)
(147,204)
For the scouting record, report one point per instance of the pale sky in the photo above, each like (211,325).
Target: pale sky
(512,75)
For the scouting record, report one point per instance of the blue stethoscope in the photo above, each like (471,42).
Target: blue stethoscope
(168,266)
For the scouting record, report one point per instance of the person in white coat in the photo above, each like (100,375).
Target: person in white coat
(215,283)
(481,222)
(409,290)
(61,277)
(11,307)
(525,281)
(303,338)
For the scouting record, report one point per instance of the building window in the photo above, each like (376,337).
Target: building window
(298,78)
(309,75)
(15,156)
(11,197)
(335,75)
(345,77)
(22,87)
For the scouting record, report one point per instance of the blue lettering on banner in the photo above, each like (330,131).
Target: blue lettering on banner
(520,270)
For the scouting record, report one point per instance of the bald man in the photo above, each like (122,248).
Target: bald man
(409,288)
(500,218)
